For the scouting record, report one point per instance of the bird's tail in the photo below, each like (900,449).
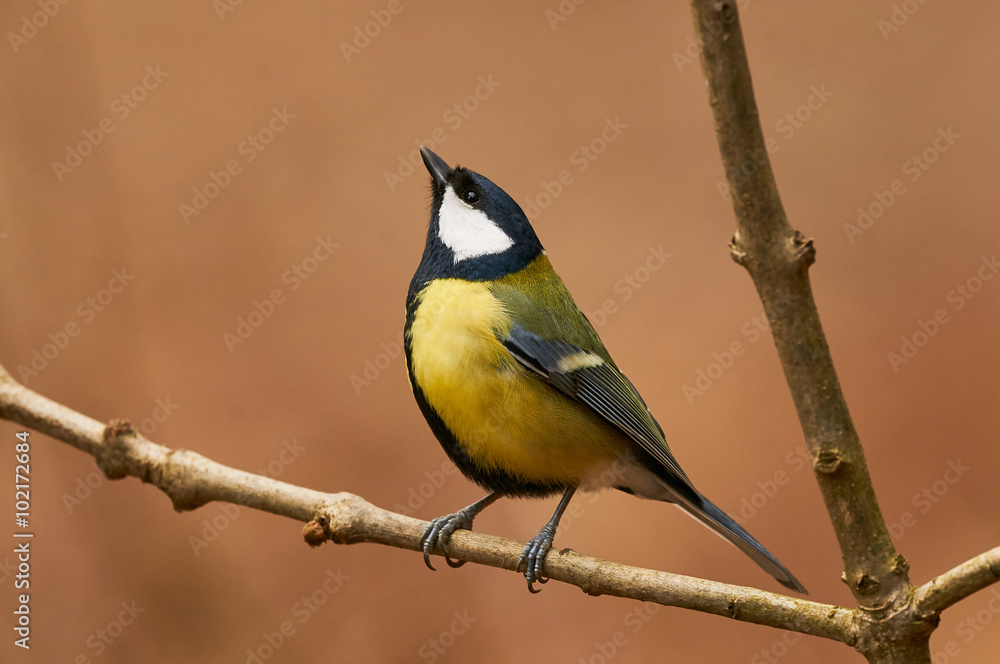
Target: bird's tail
(710,515)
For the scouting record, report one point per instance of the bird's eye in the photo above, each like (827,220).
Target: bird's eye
(470,196)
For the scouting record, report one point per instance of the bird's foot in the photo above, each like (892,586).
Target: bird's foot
(533,557)
(439,533)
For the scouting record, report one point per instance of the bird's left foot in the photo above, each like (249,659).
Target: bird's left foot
(533,557)
(439,533)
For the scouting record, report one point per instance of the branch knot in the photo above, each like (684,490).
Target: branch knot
(318,531)
(735,252)
(803,250)
(829,461)
(113,459)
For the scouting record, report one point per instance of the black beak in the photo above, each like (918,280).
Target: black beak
(437,167)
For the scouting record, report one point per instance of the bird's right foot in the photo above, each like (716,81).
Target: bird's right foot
(439,533)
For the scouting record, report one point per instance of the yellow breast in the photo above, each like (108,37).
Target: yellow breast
(505,417)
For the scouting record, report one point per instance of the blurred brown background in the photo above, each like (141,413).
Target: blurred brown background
(294,396)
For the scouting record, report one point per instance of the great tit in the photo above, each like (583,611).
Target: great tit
(517,386)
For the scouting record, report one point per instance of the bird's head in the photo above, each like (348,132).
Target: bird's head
(476,231)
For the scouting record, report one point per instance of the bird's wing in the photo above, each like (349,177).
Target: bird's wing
(589,379)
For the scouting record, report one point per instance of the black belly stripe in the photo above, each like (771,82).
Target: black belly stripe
(489,479)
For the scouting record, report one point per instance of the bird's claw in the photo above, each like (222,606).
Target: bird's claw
(438,534)
(533,558)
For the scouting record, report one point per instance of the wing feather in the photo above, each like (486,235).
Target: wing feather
(598,385)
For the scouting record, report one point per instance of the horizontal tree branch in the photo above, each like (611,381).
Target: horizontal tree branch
(191,480)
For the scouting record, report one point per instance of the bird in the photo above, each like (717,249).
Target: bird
(516,384)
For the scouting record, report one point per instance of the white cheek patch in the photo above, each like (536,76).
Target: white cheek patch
(469,232)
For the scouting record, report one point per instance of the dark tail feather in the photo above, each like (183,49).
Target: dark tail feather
(719,521)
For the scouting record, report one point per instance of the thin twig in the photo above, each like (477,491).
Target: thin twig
(958,583)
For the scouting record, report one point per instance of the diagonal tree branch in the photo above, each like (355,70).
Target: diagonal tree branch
(895,620)
(191,480)
(777,258)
